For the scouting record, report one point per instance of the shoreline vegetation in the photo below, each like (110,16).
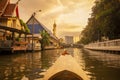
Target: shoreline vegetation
(104,22)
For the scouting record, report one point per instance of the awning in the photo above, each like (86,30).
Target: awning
(13,29)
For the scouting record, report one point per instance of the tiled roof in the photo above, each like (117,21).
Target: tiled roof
(6,8)
(3,5)
(9,10)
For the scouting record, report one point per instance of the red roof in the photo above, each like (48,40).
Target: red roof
(6,8)
(9,10)
(3,5)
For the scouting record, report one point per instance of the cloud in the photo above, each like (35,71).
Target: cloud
(68,29)
(70,15)
(63,33)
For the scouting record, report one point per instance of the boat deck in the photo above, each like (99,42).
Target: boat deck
(67,68)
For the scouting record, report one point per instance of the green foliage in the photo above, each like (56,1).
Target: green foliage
(17,39)
(104,22)
(104,13)
(45,39)
(25,26)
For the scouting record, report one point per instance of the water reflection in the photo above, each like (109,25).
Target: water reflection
(32,66)
(15,66)
(26,66)
(101,65)
(48,57)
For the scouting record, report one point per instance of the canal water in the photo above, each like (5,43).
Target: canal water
(32,66)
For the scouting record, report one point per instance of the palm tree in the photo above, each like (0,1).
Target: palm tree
(45,39)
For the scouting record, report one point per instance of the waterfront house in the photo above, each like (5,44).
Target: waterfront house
(33,42)
(10,27)
(9,15)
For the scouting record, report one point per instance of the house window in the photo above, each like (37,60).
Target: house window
(9,24)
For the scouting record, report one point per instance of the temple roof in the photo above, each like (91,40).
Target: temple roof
(38,27)
(6,8)
(3,5)
(9,10)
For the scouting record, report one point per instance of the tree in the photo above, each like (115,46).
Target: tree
(45,39)
(23,24)
(104,22)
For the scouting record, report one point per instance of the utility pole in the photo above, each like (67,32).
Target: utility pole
(33,15)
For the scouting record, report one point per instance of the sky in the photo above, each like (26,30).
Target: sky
(71,16)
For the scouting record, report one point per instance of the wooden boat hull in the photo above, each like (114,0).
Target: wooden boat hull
(65,68)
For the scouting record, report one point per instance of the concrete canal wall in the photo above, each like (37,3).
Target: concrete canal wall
(111,45)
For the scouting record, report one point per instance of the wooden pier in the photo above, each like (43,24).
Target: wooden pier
(8,45)
(8,41)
